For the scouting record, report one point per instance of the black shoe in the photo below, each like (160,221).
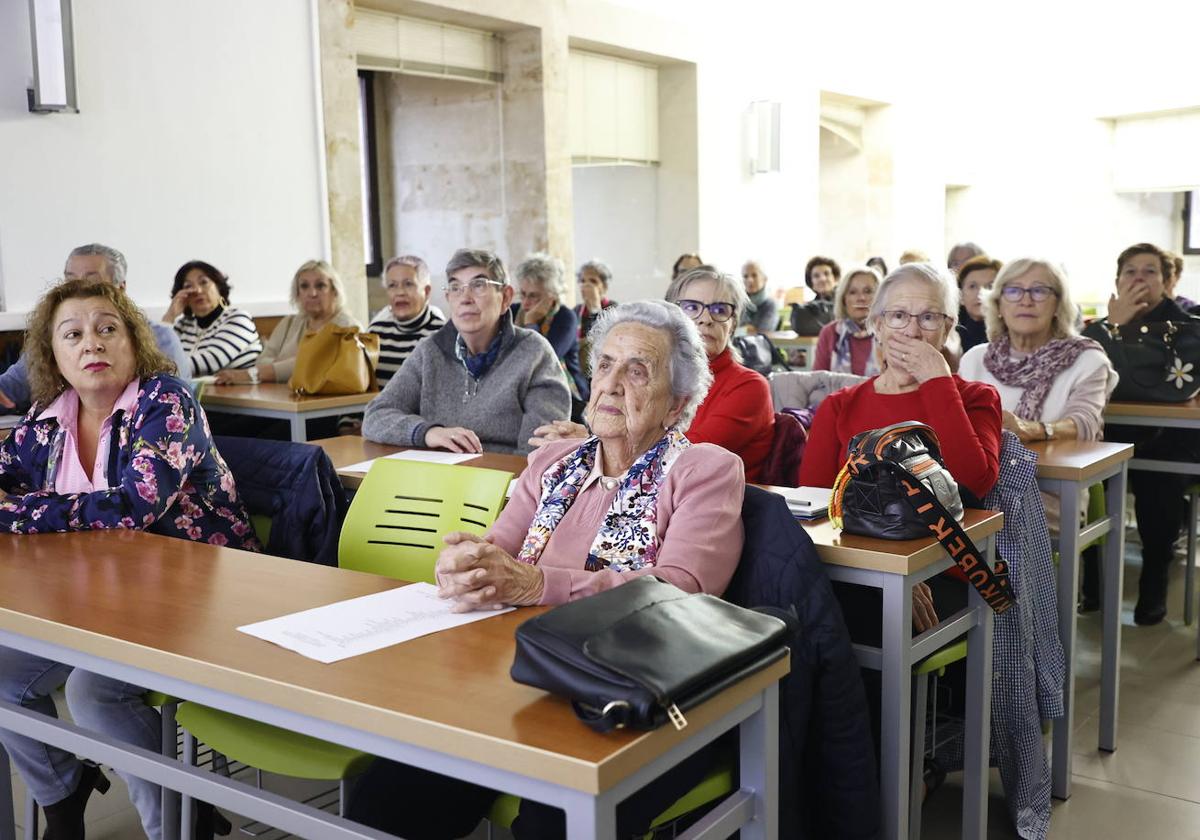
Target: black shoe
(933,776)
(64,819)
(209,822)
(1150,613)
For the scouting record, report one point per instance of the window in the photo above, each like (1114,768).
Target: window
(370,173)
(1191,222)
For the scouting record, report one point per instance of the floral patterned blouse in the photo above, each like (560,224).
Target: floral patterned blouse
(164,475)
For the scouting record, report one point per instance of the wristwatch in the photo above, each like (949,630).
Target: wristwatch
(254,376)
(1048,430)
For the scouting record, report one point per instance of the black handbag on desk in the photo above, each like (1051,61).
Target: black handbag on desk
(895,486)
(1162,362)
(809,318)
(642,652)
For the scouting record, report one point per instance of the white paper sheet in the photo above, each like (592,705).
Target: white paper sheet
(360,625)
(435,456)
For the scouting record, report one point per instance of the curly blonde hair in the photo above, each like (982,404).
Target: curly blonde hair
(46,382)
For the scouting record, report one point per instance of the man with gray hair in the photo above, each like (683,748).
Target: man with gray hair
(478,383)
(99,262)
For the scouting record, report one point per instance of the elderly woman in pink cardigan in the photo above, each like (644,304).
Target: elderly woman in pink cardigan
(634,498)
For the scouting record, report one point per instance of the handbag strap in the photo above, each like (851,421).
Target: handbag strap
(991,582)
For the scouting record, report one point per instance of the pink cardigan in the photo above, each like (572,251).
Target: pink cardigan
(699,525)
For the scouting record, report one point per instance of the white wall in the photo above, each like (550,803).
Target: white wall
(615,210)
(197,137)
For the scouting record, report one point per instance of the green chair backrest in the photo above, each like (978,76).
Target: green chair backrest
(403,509)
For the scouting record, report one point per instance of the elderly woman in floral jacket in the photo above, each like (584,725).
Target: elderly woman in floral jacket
(112,441)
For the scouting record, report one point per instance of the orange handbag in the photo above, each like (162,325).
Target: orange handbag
(335,360)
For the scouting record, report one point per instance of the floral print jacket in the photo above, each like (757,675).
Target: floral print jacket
(164,473)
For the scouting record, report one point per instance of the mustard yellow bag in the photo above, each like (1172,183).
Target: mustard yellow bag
(335,360)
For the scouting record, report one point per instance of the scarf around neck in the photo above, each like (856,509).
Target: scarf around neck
(756,299)
(841,361)
(628,536)
(480,363)
(1037,371)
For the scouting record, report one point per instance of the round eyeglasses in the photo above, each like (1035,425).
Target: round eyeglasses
(719,311)
(1037,294)
(897,319)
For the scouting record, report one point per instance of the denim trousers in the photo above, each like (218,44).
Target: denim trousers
(99,703)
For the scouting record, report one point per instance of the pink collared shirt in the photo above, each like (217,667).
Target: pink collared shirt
(71,476)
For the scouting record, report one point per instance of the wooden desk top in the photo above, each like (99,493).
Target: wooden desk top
(790,337)
(1189,410)
(1078,460)
(277,397)
(346,450)
(895,556)
(171,606)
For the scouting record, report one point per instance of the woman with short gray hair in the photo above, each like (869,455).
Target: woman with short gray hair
(594,277)
(737,413)
(540,286)
(634,498)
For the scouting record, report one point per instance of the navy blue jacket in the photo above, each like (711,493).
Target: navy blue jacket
(828,787)
(294,484)
(563,335)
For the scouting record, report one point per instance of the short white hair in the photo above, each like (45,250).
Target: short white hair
(944,287)
(1063,323)
(687,366)
(545,270)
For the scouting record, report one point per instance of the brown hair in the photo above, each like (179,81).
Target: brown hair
(977,263)
(45,380)
(1165,266)
(830,262)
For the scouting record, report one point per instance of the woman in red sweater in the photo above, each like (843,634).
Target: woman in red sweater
(913,314)
(737,414)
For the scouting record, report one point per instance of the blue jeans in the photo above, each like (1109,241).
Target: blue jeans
(99,703)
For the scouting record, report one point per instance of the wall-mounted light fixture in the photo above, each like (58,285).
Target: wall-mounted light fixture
(53,88)
(763,136)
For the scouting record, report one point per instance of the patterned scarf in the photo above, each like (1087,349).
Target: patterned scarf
(480,363)
(628,536)
(841,362)
(1037,371)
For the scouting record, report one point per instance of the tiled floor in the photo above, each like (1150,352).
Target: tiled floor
(1149,788)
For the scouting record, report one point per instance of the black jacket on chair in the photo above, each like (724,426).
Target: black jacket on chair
(828,786)
(296,485)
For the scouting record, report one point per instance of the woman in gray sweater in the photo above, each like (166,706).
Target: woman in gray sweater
(477,383)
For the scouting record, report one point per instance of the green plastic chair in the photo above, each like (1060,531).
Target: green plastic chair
(717,784)
(928,669)
(394,528)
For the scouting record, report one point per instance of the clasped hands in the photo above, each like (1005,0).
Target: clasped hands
(478,575)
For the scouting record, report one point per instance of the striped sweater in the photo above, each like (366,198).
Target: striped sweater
(398,338)
(229,341)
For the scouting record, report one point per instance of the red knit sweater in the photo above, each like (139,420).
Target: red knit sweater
(737,414)
(965,415)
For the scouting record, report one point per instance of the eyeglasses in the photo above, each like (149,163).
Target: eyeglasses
(897,319)
(719,311)
(1013,294)
(476,287)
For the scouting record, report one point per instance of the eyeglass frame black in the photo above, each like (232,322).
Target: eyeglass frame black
(708,307)
(1050,292)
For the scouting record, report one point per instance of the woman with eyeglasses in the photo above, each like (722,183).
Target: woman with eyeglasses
(478,383)
(737,413)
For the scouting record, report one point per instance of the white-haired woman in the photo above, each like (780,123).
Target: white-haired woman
(318,293)
(737,413)
(540,285)
(408,317)
(847,343)
(635,498)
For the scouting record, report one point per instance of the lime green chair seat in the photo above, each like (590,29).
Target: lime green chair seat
(937,662)
(261,523)
(269,748)
(395,527)
(718,783)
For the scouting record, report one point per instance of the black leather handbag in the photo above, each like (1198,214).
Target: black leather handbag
(644,652)
(808,318)
(895,486)
(758,353)
(1161,364)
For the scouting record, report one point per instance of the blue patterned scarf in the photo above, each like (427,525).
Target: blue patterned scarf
(628,536)
(480,363)
(841,361)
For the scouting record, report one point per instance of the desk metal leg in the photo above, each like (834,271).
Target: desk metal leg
(895,718)
(1068,586)
(591,818)
(977,735)
(8,822)
(299,429)
(1114,581)
(759,766)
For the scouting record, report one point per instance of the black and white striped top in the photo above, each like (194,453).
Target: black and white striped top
(230,341)
(398,338)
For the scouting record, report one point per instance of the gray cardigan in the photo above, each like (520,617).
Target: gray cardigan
(524,388)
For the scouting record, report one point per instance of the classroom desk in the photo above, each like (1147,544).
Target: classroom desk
(895,567)
(788,340)
(346,450)
(162,613)
(1065,469)
(1163,415)
(276,400)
